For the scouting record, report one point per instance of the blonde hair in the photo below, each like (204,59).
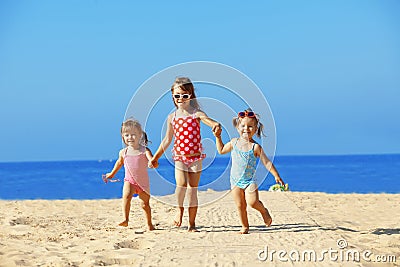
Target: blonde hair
(259,125)
(131,124)
(186,84)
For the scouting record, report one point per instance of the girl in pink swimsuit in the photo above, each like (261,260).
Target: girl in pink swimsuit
(134,157)
(183,125)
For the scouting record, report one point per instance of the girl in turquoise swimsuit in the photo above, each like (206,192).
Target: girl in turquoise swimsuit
(245,152)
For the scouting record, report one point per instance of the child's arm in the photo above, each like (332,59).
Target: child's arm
(215,126)
(164,143)
(259,152)
(221,147)
(149,157)
(118,164)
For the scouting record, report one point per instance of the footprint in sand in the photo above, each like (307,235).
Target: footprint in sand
(21,220)
(132,244)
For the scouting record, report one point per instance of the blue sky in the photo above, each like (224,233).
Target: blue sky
(68,69)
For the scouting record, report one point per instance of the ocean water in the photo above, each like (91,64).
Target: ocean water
(82,179)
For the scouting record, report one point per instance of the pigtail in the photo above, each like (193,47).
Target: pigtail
(260,129)
(235,121)
(144,141)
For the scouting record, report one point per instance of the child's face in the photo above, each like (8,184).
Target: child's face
(184,97)
(132,137)
(247,127)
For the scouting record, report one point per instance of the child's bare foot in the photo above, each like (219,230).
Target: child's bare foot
(266,217)
(192,229)
(268,222)
(244,230)
(151,227)
(124,224)
(177,222)
(178,217)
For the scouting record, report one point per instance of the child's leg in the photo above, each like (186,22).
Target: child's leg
(254,202)
(240,200)
(194,178)
(180,191)
(145,202)
(126,202)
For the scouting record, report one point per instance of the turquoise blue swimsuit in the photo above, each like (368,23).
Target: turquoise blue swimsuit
(243,167)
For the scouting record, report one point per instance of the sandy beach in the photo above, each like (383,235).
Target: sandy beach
(308,229)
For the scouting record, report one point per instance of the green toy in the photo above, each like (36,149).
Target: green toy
(278,187)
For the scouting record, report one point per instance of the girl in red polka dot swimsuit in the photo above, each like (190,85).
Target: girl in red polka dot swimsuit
(187,144)
(183,125)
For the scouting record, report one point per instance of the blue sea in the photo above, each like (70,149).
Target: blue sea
(82,179)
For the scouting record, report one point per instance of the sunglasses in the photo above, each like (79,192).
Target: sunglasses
(249,114)
(183,96)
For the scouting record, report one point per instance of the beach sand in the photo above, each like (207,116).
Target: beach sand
(85,232)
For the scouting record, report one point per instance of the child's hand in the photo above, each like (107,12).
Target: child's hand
(153,163)
(278,180)
(217,130)
(106,176)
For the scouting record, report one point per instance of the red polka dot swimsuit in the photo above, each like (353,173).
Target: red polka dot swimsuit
(187,142)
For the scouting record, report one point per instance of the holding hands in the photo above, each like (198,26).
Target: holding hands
(217,129)
(153,163)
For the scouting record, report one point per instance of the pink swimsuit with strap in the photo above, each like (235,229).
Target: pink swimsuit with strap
(136,171)
(187,143)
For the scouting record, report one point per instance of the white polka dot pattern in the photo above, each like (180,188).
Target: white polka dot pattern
(187,136)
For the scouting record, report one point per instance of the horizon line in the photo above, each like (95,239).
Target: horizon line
(221,156)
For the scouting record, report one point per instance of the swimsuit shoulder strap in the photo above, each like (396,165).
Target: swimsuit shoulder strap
(254,145)
(173,118)
(235,143)
(194,113)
